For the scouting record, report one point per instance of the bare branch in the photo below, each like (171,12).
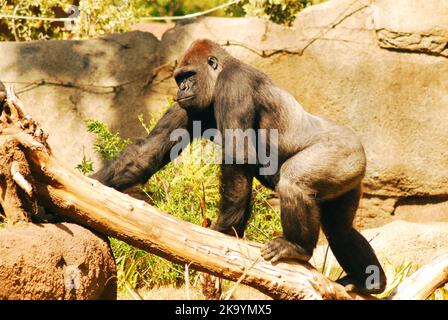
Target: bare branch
(20,180)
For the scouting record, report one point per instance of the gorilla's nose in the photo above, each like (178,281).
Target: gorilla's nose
(183,86)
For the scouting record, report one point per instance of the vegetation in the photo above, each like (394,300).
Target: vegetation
(96,17)
(278,11)
(107,144)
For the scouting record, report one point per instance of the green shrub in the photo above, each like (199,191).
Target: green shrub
(107,144)
(95,17)
(278,11)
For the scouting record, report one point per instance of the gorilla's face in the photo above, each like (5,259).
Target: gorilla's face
(196,76)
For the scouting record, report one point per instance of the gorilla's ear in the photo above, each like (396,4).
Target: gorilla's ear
(212,62)
(2,92)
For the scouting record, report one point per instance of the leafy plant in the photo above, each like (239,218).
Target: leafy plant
(20,29)
(106,16)
(86,165)
(278,11)
(107,144)
(94,17)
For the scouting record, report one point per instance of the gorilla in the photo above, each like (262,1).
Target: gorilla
(320,163)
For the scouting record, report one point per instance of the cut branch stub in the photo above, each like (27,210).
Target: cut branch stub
(13,119)
(17,203)
(17,198)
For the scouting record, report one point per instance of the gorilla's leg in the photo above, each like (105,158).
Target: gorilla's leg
(299,212)
(322,171)
(300,223)
(350,248)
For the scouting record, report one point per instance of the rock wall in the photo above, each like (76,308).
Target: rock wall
(378,66)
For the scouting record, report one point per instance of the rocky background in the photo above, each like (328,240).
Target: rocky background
(378,66)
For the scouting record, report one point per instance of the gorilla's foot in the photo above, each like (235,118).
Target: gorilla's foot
(351,284)
(280,248)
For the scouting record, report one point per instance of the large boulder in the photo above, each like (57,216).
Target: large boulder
(378,66)
(55,261)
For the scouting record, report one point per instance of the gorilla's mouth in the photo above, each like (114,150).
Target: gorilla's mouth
(184,99)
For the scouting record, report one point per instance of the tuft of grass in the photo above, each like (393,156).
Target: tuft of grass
(440,294)
(395,276)
(86,165)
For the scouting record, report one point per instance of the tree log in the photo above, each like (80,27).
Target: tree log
(422,283)
(31,178)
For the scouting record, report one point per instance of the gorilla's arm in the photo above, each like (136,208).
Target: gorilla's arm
(234,110)
(236,191)
(139,161)
(235,114)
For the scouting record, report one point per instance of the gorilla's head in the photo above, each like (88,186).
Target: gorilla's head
(197,73)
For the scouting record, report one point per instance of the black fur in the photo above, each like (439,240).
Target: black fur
(321,164)
(2,93)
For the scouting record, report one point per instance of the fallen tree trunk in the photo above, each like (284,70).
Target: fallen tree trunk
(422,283)
(32,178)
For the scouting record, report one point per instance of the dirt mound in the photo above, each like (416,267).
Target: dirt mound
(55,261)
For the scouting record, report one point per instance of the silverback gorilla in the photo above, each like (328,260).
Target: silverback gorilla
(320,163)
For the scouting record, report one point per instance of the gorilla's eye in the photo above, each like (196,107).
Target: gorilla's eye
(212,62)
